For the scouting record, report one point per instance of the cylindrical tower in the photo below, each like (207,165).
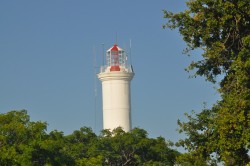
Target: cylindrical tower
(115,77)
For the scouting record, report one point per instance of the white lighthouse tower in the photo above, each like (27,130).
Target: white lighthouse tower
(115,77)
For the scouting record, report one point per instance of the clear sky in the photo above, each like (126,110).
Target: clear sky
(46,62)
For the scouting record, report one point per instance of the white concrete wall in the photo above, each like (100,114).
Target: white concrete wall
(116,100)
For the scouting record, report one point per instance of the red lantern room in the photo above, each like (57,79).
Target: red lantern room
(114,55)
(116,58)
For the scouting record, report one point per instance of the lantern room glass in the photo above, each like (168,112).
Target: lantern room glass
(116,58)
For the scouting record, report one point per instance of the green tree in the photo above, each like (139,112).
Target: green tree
(17,136)
(132,148)
(221,28)
(26,143)
(78,146)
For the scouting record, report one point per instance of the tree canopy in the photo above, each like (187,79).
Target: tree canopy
(221,28)
(26,143)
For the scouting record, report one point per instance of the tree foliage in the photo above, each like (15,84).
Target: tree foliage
(221,28)
(27,143)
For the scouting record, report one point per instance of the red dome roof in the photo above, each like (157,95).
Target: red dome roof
(114,48)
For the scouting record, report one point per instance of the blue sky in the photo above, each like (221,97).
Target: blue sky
(46,62)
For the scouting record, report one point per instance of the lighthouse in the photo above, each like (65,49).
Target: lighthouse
(116,76)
